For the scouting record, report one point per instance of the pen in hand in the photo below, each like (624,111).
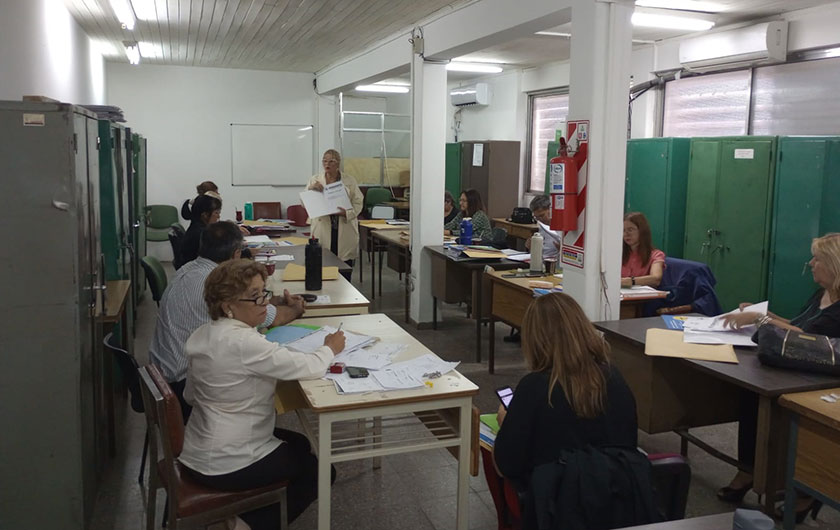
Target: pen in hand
(339,327)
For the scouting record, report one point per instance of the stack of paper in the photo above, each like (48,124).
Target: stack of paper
(641,291)
(711,330)
(397,222)
(319,204)
(385,375)
(315,340)
(375,357)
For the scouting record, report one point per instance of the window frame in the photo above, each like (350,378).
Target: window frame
(557,91)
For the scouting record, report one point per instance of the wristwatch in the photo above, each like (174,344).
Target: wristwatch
(632,280)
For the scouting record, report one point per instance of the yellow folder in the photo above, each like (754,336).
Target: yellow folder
(669,343)
(294,272)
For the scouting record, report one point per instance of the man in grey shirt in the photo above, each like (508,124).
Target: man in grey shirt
(183,310)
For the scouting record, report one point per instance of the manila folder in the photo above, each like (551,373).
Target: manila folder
(669,343)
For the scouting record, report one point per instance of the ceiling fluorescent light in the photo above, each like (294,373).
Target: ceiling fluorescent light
(481,68)
(554,34)
(132,51)
(124,12)
(391,89)
(144,9)
(649,20)
(683,5)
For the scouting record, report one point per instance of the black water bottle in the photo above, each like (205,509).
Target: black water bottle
(313,265)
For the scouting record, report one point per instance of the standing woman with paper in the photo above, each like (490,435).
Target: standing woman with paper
(339,230)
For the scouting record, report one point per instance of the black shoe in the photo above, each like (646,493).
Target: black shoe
(728,494)
(813,508)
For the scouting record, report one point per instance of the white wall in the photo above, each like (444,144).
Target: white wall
(43,51)
(186,112)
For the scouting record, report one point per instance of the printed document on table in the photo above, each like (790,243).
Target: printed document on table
(344,384)
(312,342)
(397,379)
(375,357)
(425,364)
(282,257)
(733,337)
(256,239)
(716,323)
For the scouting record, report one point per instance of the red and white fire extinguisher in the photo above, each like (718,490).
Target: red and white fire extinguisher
(564,190)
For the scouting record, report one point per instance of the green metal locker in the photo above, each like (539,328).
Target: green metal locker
(109,204)
(806,205)
(138,210)
(728,210)
(453,170)
(655,184)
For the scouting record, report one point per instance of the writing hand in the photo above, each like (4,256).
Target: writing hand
(335,342)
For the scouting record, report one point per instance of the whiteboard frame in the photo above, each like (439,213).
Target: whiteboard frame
(312,170)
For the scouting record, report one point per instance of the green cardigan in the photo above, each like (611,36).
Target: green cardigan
(480,221)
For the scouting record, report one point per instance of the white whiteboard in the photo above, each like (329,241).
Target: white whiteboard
(271,155)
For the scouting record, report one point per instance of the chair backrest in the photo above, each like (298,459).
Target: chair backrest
(689,283)
(268,210)
(128,368)
(375,196)
(161,215)
(297,215)
(155,275)
(498,235)
(163,413)
(382,212)
(178,228)
(671,477)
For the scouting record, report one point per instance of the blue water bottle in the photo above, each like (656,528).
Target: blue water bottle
(465,237)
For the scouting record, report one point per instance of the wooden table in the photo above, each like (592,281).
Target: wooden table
(721,521)
(517,230)
(366,244)
(678,394)
(510,297)
(813,464)
(117,293)
(457,279)
(344,298)
(399,259)
(338,417)
(328,259)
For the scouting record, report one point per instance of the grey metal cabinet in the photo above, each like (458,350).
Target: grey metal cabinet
(51,342)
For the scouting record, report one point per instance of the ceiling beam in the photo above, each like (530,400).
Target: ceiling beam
(472,28)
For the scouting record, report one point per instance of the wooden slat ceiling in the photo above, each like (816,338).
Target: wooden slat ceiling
(308,35)
(281,35)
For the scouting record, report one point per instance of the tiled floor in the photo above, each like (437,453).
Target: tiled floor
(415,491)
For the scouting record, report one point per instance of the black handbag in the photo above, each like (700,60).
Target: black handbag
(522,216)
(796,350)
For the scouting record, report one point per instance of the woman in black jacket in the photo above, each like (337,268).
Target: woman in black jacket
(205,210)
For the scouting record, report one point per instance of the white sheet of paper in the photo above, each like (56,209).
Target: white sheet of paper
(313,341)
(425,364)
(322,299)
(704,324)
(344,384)
(478,155)
(396,379)
(255,239)
(316,204)
(282,257)
(554,234)
(336,195)
(523,257)
(735,338)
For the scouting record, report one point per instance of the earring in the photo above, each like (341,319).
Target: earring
(229,313)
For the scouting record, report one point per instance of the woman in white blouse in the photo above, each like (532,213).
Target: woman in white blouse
(230,441)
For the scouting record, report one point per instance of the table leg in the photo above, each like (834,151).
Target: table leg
(491,348)
(380,273)
(372,255)
(324,466)
(462,517)
(362,254)
(767,445)
(790,494)
(477,312)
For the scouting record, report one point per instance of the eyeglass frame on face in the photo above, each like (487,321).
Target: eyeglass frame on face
(265,298)
(327,161)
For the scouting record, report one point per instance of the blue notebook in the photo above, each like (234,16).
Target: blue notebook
(673,322)
(284,334)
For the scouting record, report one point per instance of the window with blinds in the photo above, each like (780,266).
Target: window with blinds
(797,98)
(708,105)
(548,113)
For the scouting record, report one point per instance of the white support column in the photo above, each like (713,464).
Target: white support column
(600,77)
(428,140)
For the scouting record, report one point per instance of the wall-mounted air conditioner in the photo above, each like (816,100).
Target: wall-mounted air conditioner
(477,94)
(765,42)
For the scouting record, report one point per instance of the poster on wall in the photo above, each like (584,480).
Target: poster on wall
(577,135)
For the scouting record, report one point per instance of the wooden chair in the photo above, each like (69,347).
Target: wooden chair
(268,210)
(189,504)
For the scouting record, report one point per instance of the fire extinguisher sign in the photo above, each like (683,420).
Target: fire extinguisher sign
(577,135)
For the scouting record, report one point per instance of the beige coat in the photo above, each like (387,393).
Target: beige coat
(348,229)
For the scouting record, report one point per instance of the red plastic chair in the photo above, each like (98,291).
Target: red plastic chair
(297,215)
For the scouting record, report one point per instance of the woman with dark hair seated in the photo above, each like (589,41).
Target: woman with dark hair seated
(205,211)
(230,441)
(572,399)
(641,264)
(471,207)
(208,187)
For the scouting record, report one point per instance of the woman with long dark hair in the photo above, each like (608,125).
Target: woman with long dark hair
(205,210)
(471,207)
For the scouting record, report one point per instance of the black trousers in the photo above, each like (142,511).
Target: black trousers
(292,461)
